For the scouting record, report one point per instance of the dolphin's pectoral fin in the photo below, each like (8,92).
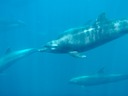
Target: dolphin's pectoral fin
(76,54)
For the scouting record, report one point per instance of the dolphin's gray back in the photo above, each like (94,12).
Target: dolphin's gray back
(98,80)
(83,39)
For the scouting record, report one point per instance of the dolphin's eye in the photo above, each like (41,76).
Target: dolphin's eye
(53,44)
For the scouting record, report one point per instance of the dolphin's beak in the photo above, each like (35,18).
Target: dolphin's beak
(71,81)
(42,49)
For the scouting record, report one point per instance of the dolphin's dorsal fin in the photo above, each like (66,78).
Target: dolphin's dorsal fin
(102,17)
(101,71)
(101,20)
(8,51)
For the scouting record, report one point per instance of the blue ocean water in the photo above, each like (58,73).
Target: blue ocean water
(45,74)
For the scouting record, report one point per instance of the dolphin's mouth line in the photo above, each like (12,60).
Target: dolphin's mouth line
(42,49)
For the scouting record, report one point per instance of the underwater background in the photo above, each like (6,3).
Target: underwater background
(46,74)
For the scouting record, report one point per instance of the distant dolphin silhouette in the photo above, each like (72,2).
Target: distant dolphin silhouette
(77,40)
(8,59)
(6,25)
(97,79)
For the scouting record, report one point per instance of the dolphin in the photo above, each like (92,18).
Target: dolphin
(6,25)
(74,41)
(98,79)
(8,59)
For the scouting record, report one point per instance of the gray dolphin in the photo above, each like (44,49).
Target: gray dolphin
(77,40)
(98,79)
(8,59)
(6,25)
